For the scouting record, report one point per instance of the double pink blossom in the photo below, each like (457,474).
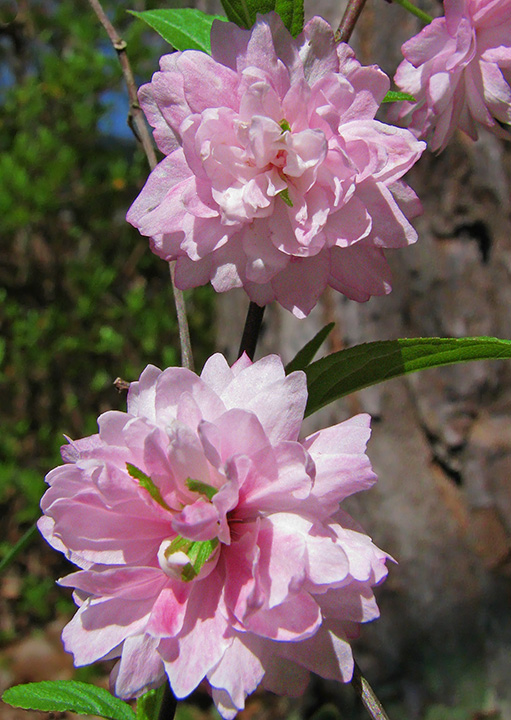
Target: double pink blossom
(458,69)
(209,537)
(277,177)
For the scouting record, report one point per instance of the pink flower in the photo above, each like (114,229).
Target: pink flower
(277,176)
(458,69)
(210,539)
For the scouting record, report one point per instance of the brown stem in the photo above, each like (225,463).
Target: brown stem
(142,133)
(349,19)
(184,332)
(251,332)
(137,123)
(367,695)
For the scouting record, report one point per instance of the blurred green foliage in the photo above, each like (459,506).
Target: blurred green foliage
(82,298)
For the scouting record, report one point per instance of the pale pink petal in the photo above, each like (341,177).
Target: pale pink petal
(130,583)
(236,432)
(300,285)
(153,103)
(293,483)
(318,50)
(206,82)
(157,204)
(228,43)
(168,611)
(326,654)
(282,562)
(339,475)
(359,272)
(172,385)
(238,673)
(100,625)
(297,618)
(358,604)
(140,668)
(202,641)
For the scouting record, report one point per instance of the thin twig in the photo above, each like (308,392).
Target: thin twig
(349,19)
(251,332)
(367,695)
(184,332)
(142,133)
(137,123)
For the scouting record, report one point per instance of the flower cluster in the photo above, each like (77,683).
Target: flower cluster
(458,69)
(277,177)
(209,537)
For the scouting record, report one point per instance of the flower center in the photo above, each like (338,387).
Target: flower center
(179,557)
(185,560)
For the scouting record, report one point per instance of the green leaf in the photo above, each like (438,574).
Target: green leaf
(183,28)
(305,356)
(397,96)
(291,12)
(358,367)
(63,695)
(201,487)
(148,705)
(244,12)
(147,483)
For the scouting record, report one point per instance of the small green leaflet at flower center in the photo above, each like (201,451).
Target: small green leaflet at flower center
(197,551)
(147,483)
(284,194)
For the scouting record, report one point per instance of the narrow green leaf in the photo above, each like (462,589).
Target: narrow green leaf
(350,370)
(183,28)
(22,543)
(148,705)
(64,695)
(306,355)
(237,11)
(423,16)
(244,12)
(397,96)
(201,487)
(148,484)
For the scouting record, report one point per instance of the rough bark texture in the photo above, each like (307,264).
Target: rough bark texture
(441,440)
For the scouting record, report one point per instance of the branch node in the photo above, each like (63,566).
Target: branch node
(121,385)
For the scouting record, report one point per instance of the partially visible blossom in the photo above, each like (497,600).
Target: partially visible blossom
(209,537)
(458,69)
(277,176)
